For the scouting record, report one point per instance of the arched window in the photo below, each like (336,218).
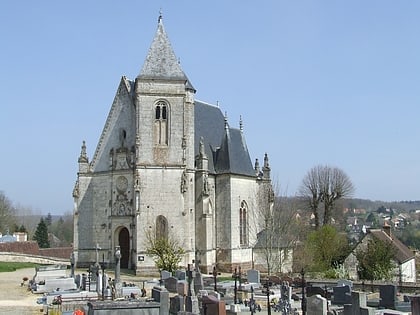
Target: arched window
(161,227)
(243,224)
(161,123)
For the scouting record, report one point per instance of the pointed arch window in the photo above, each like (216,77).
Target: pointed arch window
(243,224)
(161,123)
(161,227)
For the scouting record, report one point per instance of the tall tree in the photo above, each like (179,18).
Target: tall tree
(7,215)
(41,234)
(323,186)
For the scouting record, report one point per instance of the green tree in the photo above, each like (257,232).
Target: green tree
(48,219)
(327,248)
(165,251)
(376,260)
(41,234)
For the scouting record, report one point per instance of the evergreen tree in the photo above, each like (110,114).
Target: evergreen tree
(41,234)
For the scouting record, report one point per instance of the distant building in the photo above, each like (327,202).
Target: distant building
(168,165)
(404,258)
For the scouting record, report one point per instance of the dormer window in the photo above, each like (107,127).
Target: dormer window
(161,123)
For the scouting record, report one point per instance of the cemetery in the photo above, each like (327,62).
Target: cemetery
(188,291)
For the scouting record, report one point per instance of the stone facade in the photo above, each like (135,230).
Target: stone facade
(167,165)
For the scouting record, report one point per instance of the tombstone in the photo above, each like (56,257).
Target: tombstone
(213,306)
(310,291)
(358,302)
(171,284)
(214,294)
(181,275)
(161,295)
(316,305)
(198,282)
(387,296)
(191,305)
(344,282)
(182,287)
(253,276)
(177,304)
(415,304)
(341,295)
(165,275)
(118,285)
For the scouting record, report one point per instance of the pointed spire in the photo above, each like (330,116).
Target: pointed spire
(161,62)
(83,156)
(241,126)
(226,121)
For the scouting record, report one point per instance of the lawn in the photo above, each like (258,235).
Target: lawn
(13,266)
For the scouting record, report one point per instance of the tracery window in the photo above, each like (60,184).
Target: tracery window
(243,224)
(161,123)
(161,227)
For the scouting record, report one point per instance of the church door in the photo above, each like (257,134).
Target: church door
(124,241)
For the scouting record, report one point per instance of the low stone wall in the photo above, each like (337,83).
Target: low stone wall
(18,257)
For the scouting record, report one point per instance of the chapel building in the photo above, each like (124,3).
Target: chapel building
(168,165)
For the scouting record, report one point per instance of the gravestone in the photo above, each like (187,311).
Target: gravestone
(358,303)
(387,296)
(177,304)
(316,305)
(182,288)
(198,282)
(161,295)
(213,306)
(310,291)
(171,284)
(165,275)
(253,276)
(367,311)
(181,275)
(191,305)
(341,295)
(415,304)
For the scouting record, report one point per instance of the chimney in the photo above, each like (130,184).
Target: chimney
(387,228)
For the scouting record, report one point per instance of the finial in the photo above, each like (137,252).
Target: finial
(241,125)
(83,156)
(160,16)
(226,120)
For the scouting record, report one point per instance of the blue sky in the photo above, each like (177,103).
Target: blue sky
(316,82)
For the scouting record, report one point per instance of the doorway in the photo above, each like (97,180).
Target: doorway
(124,242)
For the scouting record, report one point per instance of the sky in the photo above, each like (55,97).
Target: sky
(316,83)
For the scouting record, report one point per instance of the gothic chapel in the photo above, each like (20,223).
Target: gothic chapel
(171,165)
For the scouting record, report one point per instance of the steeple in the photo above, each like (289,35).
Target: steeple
(161,62)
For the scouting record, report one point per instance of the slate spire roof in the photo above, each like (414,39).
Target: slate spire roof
(161,62)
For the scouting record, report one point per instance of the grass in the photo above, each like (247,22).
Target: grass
(13,266)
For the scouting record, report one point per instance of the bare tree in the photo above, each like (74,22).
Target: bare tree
(7,214)
(324,185)
(276,227)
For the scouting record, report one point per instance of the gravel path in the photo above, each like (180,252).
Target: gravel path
(17,299)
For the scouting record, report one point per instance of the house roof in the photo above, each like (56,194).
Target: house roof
(402,252)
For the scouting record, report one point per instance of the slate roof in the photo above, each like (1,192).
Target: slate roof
(224,146)
(161,62)
(402,252)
